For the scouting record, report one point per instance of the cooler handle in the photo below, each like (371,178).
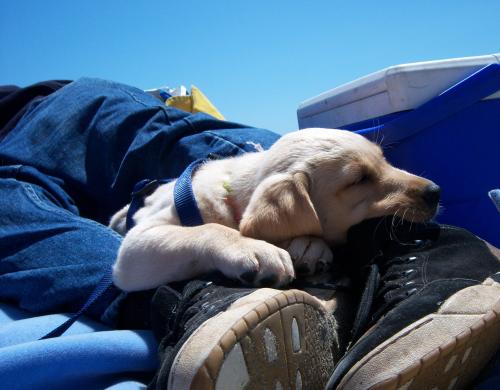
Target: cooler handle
(480,84)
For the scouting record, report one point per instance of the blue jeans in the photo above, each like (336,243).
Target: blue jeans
(69,165)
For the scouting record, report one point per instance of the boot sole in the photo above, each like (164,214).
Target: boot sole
(268,339)
(444,350)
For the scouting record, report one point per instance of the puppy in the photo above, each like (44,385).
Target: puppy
(268,213)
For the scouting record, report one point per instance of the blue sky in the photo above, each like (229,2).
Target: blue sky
(256,60)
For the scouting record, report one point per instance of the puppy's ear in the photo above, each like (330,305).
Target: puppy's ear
(280,208)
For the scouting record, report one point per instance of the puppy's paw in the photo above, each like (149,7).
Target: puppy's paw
(310,255)
(256,262)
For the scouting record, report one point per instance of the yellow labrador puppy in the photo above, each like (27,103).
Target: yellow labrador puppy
(268,213)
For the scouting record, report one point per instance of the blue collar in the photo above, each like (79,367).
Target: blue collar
(184,200)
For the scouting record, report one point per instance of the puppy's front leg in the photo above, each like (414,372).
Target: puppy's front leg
(309,254)
(154,254)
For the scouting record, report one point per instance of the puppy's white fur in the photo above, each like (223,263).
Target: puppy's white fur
(302,194)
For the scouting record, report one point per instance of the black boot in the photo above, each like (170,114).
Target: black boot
(218,337)
(429,315)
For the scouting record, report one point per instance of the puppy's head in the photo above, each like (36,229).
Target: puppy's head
(321,182)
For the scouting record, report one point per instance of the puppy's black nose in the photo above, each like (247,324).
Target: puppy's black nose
(431,195)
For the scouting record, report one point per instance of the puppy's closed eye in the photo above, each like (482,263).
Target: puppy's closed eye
(363,178)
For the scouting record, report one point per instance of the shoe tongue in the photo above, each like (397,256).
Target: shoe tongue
(163,307)
(366,301)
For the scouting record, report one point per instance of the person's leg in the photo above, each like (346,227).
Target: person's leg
(51,258)
(101,137)
(83,148)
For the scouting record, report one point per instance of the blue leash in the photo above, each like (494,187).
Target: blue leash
(189,215)
(105,283)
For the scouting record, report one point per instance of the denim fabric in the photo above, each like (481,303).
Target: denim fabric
(14,101)
(69,164)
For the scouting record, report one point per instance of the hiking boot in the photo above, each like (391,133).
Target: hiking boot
(215,337)
(429,314)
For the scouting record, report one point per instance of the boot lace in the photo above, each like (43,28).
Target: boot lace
(391,278)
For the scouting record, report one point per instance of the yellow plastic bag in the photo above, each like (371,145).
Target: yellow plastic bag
(195,102)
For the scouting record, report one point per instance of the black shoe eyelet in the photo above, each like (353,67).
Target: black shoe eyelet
(409,272)
(204,305)
(422,244)
(412,291)
(201,297)
(411,259)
